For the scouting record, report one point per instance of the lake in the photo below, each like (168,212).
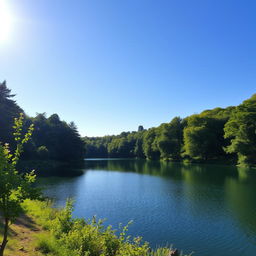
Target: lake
(206,209)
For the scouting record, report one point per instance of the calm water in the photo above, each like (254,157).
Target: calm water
(208,209)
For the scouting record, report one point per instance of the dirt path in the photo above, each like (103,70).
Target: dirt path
(22,238)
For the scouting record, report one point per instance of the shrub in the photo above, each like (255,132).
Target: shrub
(67,236)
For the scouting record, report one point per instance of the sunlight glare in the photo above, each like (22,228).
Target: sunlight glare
(6,22)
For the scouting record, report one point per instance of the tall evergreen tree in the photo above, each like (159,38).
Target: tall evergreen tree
(8,111)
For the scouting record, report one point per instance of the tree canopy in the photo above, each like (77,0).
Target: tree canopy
(241,130)
(52,139)
(221,134)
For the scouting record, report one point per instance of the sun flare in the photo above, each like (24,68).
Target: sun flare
(6,22)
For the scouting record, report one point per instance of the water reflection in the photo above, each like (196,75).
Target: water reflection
(59,188)
(205,173)
(240,194)
(209,209)
(202,183)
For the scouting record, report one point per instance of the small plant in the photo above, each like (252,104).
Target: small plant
(68,236)
(14,186)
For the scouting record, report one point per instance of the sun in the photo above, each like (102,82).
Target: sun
(6,22)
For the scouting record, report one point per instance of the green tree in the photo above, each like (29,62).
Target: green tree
(8,111)
(241,129)
(171,139)
(42,152)
(62,140)
(149,145)
(138,150)
(140,128)
(14,187)
(203,137)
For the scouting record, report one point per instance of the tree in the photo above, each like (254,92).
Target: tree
(149,145)
(241,129)
(42,152)
(62,140)
(14,186)
(203,137)
(8,111)
(138,150)
(170,139)
(140,128)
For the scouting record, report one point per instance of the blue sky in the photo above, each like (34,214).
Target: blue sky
(110,66)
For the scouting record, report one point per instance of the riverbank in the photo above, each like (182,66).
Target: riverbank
(46,168)
(213,162)
(44,230)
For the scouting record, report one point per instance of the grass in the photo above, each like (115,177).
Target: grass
(44,230)
(23,237)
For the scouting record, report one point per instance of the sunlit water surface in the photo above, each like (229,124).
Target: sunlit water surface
(206,209)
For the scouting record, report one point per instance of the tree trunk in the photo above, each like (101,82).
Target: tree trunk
(5,241)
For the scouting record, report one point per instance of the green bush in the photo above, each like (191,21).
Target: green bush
(42,152)
(67,236)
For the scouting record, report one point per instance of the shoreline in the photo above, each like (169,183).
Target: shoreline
(45,230)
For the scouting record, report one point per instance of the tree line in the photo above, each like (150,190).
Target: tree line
(221,134)
(53,140)
(225,135)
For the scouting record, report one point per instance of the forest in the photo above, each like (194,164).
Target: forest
(225,135)
(221,135)
(54,142)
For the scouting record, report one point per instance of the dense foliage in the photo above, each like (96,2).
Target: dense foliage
(241,130)
(8,111)
(53,140)
(221,134)
(69,236)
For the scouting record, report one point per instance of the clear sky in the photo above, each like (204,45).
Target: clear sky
(110,66)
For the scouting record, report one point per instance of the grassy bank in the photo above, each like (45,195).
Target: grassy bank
(44,230)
